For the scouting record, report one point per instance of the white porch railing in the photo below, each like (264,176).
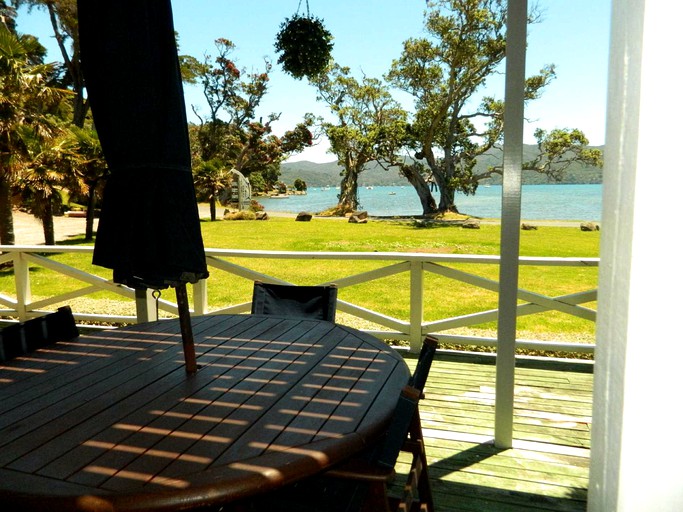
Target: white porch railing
(413,328)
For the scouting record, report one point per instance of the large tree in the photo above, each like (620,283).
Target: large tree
(369,127)
(27,100)
(232,133)
(444,71)
(42,178)
(64,21)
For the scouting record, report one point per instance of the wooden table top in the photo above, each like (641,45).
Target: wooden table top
(111,421)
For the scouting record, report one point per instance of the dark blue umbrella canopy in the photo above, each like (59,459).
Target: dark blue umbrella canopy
(149,231)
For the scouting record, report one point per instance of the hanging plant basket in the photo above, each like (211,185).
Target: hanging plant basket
(305,46)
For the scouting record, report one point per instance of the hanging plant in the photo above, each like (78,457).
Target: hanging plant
(305,45)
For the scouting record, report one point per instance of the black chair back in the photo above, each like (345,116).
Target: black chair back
(424,363)
(398,430)
(24,337)
(315,302)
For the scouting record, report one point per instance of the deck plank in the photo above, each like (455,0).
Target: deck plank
(546,470)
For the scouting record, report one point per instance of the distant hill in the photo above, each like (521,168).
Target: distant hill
(328,174)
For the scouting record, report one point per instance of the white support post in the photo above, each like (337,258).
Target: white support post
(200,297)
(635,440)
(145,306)
(23,284)
(416,304)
(510,221)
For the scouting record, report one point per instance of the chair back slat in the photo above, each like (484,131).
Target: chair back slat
(424,363)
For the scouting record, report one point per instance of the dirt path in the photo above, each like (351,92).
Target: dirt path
(29,231)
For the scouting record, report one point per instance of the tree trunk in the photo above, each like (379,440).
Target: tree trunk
(48,226)
(6,220)
(422,189)
(80,109)
(90,213)
(348,196)
(447,198)
(212,208)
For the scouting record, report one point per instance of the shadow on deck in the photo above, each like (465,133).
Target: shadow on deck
(547,468)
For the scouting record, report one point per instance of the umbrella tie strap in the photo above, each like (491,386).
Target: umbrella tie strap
(156,294)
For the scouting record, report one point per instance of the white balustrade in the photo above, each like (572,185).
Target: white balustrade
(413,328)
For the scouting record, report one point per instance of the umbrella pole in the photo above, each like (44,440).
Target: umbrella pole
(186,329)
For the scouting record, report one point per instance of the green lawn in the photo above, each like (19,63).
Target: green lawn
(443,297)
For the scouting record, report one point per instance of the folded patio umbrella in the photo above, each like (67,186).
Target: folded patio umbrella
(149,231)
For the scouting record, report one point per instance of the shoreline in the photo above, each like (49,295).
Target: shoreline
(29,231)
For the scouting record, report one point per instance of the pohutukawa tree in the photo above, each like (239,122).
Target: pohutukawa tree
(369,127)
(444,71)
(232,133)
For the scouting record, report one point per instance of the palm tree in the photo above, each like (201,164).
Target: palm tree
(86,160)
(42,178)
(25,98)
(210,179)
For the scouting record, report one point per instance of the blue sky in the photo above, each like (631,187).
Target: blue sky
(368,35)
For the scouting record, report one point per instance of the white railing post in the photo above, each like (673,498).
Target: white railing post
(416,304)
(145,306)
(23,284)
(200,297)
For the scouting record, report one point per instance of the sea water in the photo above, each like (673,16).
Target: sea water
(539,202)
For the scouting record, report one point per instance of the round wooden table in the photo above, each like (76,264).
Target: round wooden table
(111,421)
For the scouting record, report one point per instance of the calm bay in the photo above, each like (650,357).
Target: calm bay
(539,202)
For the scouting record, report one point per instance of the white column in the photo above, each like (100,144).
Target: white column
(636,452)
(510,219)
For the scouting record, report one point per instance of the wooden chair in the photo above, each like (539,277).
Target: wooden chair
(316,302)
(25,337)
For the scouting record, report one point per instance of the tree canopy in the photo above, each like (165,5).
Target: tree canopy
(30,111)
(369,126)
(231,133)
(444,71)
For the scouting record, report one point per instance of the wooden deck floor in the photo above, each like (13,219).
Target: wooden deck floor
(547,469)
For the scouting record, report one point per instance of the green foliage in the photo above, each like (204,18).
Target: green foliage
(258,184)
(300,185)
(370,126)
(30,119)
(444,70)
(231,133)
(210,180)
(304,45)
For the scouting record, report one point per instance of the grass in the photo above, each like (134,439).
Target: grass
(389,295)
